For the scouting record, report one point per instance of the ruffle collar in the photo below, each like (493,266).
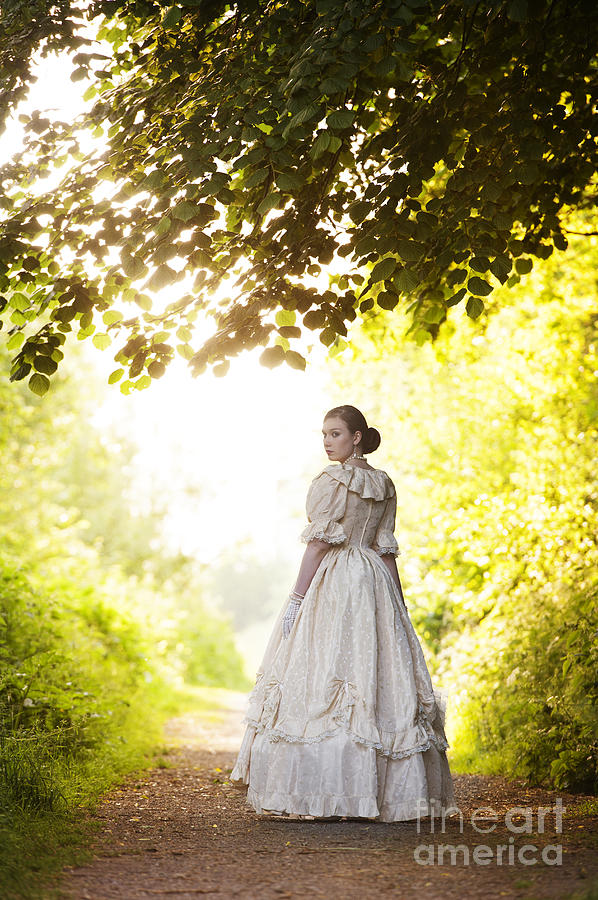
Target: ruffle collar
(367,483)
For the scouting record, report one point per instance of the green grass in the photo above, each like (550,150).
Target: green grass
(84,694)
(38,843)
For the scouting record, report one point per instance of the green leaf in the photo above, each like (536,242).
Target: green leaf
(185,350)
(162,277)
(500,267)
(359,210)
(321,144)
(387,299)
(20,301)
(340,119)
(156,369)
(386,65)
(20,372)
(334,85)
(285,317)
(134,267)
(434,314)
(272,356)
(524,265)
(45,364)
(456,298)
(221,368)
(289,331)
(295,360)
(172,17)
(479,263)
(383,270)
(479,287)
(288,181)
(101,341)
(327,336)
(184,211)
(474,307)
(405,280)
(305,115)
(39,384)
(143,301)
(314,319)
(153,180)
(257,177)
(163,226)
(111,316)
(15,341)
(115,376)
(409,251)
(270,201)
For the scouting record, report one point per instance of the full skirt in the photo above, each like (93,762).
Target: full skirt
(343,719)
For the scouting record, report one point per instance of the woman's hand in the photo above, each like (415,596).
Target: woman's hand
(290,616)
(315,552)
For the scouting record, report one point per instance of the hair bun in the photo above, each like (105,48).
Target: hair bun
(354,419)
(371,440)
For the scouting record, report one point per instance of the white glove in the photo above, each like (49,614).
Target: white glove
(290,616)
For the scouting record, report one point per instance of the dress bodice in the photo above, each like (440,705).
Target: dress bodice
(354,507)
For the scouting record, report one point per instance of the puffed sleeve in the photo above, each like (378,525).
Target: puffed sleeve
(385,541)
(325,505)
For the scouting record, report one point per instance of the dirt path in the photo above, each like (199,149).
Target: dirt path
(186,832)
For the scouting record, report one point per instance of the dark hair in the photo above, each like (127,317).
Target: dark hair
(355,421)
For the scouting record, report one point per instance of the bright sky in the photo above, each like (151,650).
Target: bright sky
(249,443)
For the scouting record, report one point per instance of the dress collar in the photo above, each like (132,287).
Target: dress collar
(375,483)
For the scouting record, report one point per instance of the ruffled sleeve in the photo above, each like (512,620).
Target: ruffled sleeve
(385,541)
(325,505)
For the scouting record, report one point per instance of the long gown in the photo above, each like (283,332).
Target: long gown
(342,719)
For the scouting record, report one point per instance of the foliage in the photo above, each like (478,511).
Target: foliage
(430,148)
(72,490)
(93,658)
(532,687)
(76,680)
(490,435)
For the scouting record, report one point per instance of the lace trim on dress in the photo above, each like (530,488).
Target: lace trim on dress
(276,735)
(328,533)
(383,550)
(346,697)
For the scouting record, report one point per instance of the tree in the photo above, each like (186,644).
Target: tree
(434,146)
(490,435)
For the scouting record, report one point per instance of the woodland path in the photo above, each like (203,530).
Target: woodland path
(186,832)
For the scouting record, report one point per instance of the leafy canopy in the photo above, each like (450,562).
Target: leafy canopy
(435,146)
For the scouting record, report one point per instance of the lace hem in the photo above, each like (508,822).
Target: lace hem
(322,535)
(276,735)
(381,551)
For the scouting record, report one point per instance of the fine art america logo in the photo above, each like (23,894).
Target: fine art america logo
(518,819)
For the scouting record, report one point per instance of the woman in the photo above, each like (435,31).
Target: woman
(342,721)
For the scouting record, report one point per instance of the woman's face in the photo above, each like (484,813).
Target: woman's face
(339,442)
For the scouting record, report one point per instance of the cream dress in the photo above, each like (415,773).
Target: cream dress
(343,719)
